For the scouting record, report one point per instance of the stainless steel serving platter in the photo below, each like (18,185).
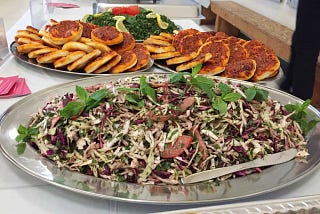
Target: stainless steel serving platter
(49,67)
(270,179)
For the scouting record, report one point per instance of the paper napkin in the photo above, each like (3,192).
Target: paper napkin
(13,87)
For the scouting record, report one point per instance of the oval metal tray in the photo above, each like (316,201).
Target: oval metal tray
(270,179)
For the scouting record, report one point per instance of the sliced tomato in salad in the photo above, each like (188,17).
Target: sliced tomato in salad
(129,10)
(182,143)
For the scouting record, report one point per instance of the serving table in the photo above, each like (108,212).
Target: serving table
(22,193)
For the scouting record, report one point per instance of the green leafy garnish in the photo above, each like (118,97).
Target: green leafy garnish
(146,90)
(300,115)
(135,99)
(254,93)
(220,105)
(25,135)
(86,102)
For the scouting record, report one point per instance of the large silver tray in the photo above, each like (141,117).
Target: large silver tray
(270,179)
(49,67)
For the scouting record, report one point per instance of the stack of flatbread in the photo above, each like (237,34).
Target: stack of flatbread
(219,54)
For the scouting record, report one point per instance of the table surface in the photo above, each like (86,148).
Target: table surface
(20,192)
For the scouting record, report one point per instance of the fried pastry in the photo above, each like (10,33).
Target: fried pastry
(27,34)
(108,35)
(70,58)
(81,62)
(77,46)
(128,60)
(151,41)
(189,44)
(26,48)
(87,29)
(159,49)
(51,56)
(177,38)
(33,30)
(165,55)
(143,58)
(24,40)
(98,45)
(63,32)
(99,61)
(242,69)
(198,60)
(181,59)
(38,52)
(113,62)
(127,44)
(268,65)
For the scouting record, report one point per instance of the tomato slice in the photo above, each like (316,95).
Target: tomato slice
(130,10)
(177,148)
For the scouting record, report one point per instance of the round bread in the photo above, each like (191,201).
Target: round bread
(204,36)
(198,60)
(27,34)
(181,59)
(181,34)
(77,46)
(168,36)
(159,49)
(81,62)
(70,58)
(166,55)
(49,42)
(108,35)
(64,31)
(113,62)
(24,40)
(51,56)
(87,29)
(98,45)
(128,60)
(36,53)
(190,43)
(242,70)
(26,48)
(127,44)
(143,58)
(152,41)
(268,65)
(33,30)
(99,61)
(211,68)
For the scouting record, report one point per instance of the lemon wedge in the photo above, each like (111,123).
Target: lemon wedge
(151,15)
(97,14)
(85,17)
(119,23)
(161,24)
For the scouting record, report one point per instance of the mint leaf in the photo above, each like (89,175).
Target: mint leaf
(95,99)
(220,105)
(224,88)
(178,77)
(128,89)
(73,108)
(21,147)
(232,97)
(146,90)
(204,83)
(196,69)
(250,93)
(254,93)
(82,93)
(261,95)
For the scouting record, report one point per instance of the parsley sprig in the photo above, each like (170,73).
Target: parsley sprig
(25,135)
(87,102)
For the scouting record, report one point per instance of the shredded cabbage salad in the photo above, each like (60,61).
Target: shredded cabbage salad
(157,129)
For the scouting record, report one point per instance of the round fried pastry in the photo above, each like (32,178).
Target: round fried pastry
(27,34)
(64,31)
(99,61)
(177,38)
(143,58)
(77,46)
(70,58)
(198,60)
(81,62)
(181,59)
(24,40)
(128,60)
(204,36)
(87,29)
(49,42)
(33,30)
(38,52)
(113,62)
(26,48)
(242,69)
(168,36)
(166,55)
(98,45)
(108,35)
(160,37)
(152,41)
(268,66)
(127,44)
(211,68)
(189,44)
(159,49)
(51,56)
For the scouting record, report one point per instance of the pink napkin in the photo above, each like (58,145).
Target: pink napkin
(62,5)
(13,87)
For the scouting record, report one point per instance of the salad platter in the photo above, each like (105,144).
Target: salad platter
(33,163)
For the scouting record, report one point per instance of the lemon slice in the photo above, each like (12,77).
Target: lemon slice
(151,15)
(97,14)
(161,24)
(119,23)
(85,17)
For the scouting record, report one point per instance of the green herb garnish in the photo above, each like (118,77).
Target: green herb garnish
(25,135)
(146,90)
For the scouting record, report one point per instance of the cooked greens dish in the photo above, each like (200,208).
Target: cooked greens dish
(140,24)
(159,128)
